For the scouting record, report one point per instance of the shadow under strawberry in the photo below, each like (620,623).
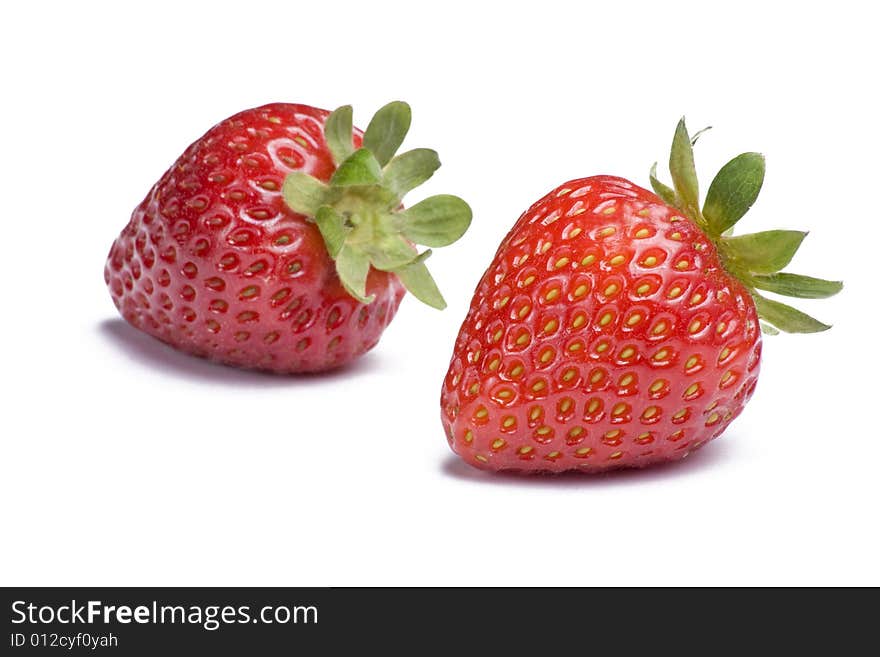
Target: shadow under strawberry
(146,351)
(708,457)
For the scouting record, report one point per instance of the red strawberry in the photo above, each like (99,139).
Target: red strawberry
(615,328)
(278,239)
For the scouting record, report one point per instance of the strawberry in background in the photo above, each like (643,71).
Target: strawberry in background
(617,327)
(278,240)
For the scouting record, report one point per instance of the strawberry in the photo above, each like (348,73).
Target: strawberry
(278,240)
(616,327)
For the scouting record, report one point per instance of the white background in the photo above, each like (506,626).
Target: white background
(126,463)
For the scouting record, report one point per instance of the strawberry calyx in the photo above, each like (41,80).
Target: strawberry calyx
(359,211)
(756,259)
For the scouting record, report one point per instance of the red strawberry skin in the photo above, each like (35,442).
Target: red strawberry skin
(604,334)
(214,262)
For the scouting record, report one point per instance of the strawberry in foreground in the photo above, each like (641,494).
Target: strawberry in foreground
(278,240)
(619,328)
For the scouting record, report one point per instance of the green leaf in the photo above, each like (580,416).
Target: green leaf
(698,134)
(796,285)
(332,227)
(353,266)
(337,132)
(768,329)
(387,129)
(418,280)
(664,192)
(762,253)
(360,168)
(437,221)
(786,318)
(409,170)
(303,193)
(733,191)
(684,174)
(390,252)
